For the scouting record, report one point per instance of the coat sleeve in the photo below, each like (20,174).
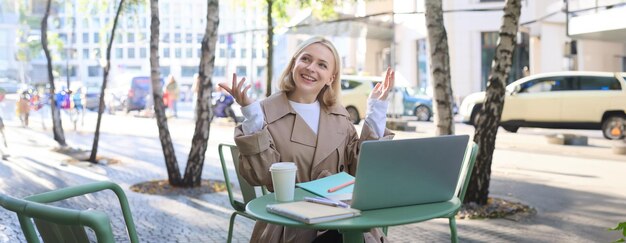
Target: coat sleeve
(257,153)
(354,145)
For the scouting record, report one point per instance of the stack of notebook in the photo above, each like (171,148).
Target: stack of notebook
(314,211)
(311,213)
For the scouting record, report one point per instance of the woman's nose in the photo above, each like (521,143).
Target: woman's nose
(310,67)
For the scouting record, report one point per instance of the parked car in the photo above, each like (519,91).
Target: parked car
(573,99)
(128,92)
(403,100)
(92,96)
(9,85)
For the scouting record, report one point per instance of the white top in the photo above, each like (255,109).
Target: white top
(309,112)
(375,115)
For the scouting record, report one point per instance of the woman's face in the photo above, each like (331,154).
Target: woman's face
(313,68)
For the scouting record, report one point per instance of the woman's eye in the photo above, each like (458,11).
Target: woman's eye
(323,66)
(304,59)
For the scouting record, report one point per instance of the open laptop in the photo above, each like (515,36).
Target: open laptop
(394,173)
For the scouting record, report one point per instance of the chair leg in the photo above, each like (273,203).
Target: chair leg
(230,227)
(452,223)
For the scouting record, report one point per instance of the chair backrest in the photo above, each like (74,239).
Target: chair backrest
(248,191)
(466,172)
(57,224)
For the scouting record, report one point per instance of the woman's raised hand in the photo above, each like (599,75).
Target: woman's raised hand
(238,91)
(381,90)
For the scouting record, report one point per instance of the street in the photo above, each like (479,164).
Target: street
(576,190)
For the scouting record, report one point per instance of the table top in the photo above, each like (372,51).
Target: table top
(368,219)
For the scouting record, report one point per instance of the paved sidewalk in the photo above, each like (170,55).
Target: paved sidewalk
(576,198)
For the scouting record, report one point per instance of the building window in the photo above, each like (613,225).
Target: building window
(241,71)
(130,38)
(222,39)
(188,71)
(166,52)
(520,57)
(94,71)
(85,53)
(188,38)
(142,37)
(166,38)
(177,38)
(143,52)
(259,71)
(96,37)
(188,53)
(219,71)
(243,53)
(178,53)
(253,53)
(222,53)
(232,53)
(85,38)
(118,38)
(131,52)
(96,53)
(85,23)
(64,70)
(165,71)
(119,53)
(422,65)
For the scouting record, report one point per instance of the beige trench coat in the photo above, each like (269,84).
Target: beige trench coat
(287,137)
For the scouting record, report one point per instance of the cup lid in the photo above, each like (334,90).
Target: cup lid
(283,166)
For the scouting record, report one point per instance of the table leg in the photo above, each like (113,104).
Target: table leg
(352,236)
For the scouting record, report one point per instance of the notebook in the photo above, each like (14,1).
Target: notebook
(395,173)
(320,186)
(311,213)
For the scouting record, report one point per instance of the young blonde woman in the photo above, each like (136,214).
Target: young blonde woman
(304,123)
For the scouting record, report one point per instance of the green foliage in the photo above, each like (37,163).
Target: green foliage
(621,226)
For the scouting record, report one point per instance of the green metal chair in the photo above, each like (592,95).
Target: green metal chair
(464,178)
(466,174)
(248,191)
(56,224)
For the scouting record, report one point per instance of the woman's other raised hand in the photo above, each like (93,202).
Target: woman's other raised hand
(238,91)
(381,90)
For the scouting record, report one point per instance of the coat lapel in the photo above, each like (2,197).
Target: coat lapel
(302,133)
(278,107)
(331,134)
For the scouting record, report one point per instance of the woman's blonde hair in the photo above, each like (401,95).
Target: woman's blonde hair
(328,96)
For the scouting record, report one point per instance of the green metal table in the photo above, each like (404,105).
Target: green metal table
(353,228)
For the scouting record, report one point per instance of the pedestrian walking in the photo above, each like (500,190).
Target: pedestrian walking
(173,94)
(22,107)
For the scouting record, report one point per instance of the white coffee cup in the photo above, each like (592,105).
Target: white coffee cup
(284,180)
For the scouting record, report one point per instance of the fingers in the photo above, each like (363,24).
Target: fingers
(225,87)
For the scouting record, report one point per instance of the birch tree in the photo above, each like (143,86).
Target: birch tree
(491,112)
(439,68)
(195,162)
(57,126)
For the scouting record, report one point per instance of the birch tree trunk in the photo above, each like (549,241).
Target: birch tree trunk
(107,68)
(199,142)
(491,112)
(171,164)
(270,49)
(57,126)
(439,68)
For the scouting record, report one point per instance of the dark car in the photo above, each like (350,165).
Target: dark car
(129,93)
